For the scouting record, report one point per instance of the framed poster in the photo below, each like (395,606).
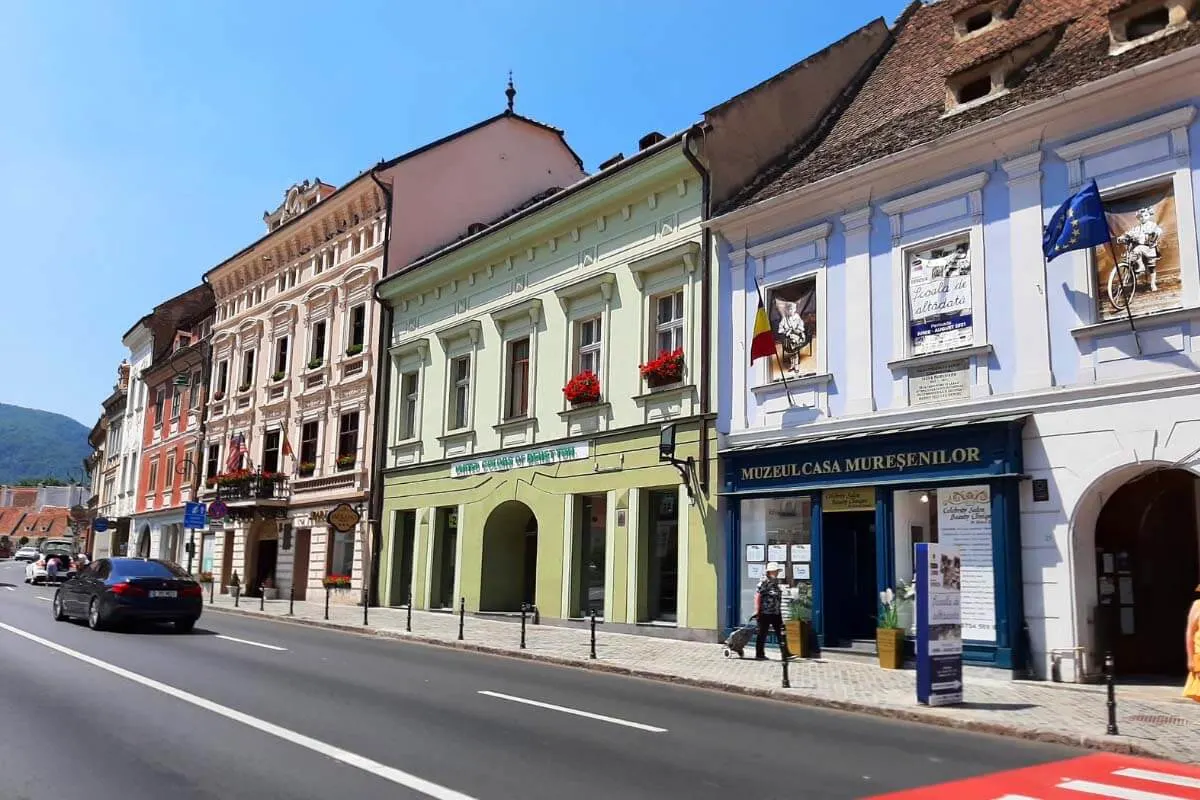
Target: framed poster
(756,552)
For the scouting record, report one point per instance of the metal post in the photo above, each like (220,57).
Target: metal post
(408,614)
(237,594)
(212,589)
(524,607)
(787,683)
(191,549)
(366,599)
(593,633)
(262,598)
(462,616)
(292,600)
(1110,680)
(326,603)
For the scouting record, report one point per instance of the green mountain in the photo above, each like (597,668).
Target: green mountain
(38,444)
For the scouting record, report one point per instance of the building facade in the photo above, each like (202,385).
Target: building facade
(114,538)
(534,365)
(291,414)
(139,341)
(944,382)
(172,430)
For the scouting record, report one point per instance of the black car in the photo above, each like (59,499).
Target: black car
(114,590)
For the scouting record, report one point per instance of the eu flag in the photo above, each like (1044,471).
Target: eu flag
(1078,224)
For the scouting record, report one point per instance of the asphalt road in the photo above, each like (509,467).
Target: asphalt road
(260,709)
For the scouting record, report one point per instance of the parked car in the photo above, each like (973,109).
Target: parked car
(36,572)
(110,591)
(26,553)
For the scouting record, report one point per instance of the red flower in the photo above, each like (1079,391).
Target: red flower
(583,388)
(666,368)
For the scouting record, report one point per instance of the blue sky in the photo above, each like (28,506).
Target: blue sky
(141,141)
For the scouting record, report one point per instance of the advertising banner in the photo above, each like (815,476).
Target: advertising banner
(939,625)
(965,523)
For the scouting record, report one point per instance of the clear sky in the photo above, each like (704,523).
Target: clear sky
(141,141)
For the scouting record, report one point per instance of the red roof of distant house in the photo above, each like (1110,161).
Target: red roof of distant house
(24,498)
(10,519)
(902,104)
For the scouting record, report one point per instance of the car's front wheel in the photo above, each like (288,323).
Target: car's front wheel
(59,614)
(95,620)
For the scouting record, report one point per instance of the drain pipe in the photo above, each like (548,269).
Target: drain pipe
(383,377)
(705,302)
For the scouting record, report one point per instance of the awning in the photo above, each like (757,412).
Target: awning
(799,441)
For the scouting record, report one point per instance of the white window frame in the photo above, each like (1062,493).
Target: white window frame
(194,390)
(513,323)
(590,298)
(453,384)
(460,340)
(176,403)
(675,326)
(281,341)
(252,352)
(346,343)
(312,341)
(668,270)
(409,407)
(593,350)
(510,345)
(409,357)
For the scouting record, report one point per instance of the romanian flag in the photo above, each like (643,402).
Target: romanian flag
(763,343)
(287,445)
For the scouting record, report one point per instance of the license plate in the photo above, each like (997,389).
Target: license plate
(164,593)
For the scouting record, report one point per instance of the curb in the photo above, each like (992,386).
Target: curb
(1119,745)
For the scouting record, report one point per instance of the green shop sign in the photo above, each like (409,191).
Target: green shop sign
(527,458)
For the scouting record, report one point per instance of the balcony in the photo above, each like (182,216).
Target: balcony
(246,488)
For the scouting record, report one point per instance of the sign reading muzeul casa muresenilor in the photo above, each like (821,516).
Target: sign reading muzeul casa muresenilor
(891,462)
(527,458)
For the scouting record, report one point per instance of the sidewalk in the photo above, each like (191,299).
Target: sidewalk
(1151,721)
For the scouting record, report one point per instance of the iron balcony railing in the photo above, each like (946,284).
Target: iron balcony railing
(251,486)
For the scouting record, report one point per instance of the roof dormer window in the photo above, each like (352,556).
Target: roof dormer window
(1147,21)
(989,80)
(981,17)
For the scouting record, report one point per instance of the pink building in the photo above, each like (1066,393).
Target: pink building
(294,348)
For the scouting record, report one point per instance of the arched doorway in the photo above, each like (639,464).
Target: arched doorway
(1147,564)
(262,555)
(509,573)
(143,547)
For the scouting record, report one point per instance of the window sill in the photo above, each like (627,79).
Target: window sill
(1112,326)
(929,359)
(803,382)
(456,435)
(515,424)
(591,408)
(661,391)
(407,441)
(965,107)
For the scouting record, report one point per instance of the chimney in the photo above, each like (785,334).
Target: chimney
(650,139)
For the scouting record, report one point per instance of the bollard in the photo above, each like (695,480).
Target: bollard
(524,607)
(462,616)
(1110,680)
(237,595)
(292,600)
(408,614)
(262,599)
(327,603)
(787,683)
(593,633)
(366,601)
(211,591)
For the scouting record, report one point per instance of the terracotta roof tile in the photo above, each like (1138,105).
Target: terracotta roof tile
(10,520)
(902,103)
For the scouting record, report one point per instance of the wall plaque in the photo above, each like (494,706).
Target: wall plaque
(939,383)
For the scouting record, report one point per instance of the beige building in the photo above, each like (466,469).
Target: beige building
(291,407)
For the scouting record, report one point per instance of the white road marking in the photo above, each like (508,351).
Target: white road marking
(1119,792)
(11,588)
(614,720)
(363,763)
(1159,777)
(253,644)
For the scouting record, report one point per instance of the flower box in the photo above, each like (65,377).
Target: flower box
(345,462)
(205,577)
(315,363)
(278,376)
(354,349)
(218,395)
(583,389)
(341,582)
(245,387)
(664,370)
(307,468)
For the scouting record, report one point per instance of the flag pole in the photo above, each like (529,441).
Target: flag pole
(1112,253)
(782,372)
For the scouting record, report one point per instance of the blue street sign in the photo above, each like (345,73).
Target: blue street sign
(217,509)
(100,524)
(194,516)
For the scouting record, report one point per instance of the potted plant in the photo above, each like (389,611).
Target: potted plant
(906,603)
(218,395)
(345,462)
(245,387)
(278,376)
(269,590)
(583,389)
(307,468)
(354,349)
(664,370)
(337,582)
(889,636)
(315,362)
(205,577)
(798,627)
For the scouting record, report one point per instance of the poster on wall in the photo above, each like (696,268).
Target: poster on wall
(965,523)
(939,625)
(939,296)
(1145,236)
(792,313)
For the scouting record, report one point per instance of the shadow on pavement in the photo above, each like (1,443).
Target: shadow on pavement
(998,706)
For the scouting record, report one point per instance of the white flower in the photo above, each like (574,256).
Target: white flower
(887,597)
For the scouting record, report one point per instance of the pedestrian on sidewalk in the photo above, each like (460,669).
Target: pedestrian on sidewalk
(1192,688)
(768,610)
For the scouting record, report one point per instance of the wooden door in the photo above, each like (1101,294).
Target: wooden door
(301,547)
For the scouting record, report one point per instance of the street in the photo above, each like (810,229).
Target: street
(251,708)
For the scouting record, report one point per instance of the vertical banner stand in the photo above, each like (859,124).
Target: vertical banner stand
(939,625)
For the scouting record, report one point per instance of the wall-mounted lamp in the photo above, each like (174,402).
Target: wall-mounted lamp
(924,497)
(666,453)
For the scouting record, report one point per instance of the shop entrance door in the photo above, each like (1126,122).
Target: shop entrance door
(1147,562)
(850,599)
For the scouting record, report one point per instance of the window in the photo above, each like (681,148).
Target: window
(940,296)
(1147,24)
(223,376)
(341,555)
(348,435)
(152,478)
(460,392)
(270,459)
(212,464)
(668,323)
(409,387)
(169,475)
(358,328)
(974,90)
(159,398)
(369,238)
(588,546)
(779,529)
(310,443)
(792,314)
(517,404)
(587,346)
(978,21)
(281,357)
(659,556)
(1147,276)
(195,391)
(316,354)
(247,370)
(176,400)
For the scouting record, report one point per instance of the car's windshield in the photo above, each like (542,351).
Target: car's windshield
(147,569)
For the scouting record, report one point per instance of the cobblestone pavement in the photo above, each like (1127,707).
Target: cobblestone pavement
(1153,721)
